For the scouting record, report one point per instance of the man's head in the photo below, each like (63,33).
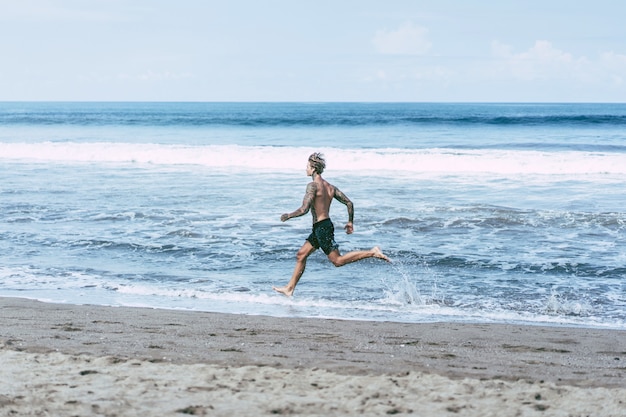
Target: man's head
(317,162)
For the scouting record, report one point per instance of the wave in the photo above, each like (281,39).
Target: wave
(307,121)
(260,115)
(484,217)
(281,159)
(566,269)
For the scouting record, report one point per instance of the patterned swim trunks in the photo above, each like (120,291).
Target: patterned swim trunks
(323,236)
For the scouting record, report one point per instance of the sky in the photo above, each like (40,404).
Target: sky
(313,50)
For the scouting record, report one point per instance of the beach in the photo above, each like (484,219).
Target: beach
(62,359)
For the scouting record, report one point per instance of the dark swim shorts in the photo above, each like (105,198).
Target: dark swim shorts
(323,236)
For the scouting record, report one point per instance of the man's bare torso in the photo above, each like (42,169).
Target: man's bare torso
(323,194)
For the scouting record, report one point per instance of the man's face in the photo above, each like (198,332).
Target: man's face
(309,169)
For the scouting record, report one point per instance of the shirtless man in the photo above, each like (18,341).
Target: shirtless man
(319,195)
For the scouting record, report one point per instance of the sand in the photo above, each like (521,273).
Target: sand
(70,360)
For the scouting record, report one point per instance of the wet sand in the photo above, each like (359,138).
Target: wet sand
(59,359)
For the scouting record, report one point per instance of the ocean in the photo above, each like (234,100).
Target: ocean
(491,213)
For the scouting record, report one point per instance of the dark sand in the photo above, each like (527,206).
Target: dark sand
(497,363)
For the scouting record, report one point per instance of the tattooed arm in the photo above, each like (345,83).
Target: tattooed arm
(307,204)
(342,198)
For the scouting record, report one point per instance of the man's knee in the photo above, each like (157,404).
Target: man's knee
(335,259)
(302,255)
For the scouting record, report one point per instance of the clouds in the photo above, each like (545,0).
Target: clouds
(323,51)
(409,39)
(544,62)
(540,61)
(417,62)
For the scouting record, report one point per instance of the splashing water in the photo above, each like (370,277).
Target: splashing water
(400,288)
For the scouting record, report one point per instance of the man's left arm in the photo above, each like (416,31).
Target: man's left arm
(342,198)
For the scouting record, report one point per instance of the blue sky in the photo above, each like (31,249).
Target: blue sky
(318,50)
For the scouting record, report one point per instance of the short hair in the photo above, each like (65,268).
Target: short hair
(317,162)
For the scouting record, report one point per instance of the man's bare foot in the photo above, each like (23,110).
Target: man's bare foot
(283,290)
(379,254)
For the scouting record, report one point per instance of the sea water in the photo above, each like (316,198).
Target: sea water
(490,212)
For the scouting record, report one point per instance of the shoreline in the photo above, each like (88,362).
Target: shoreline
(498,360)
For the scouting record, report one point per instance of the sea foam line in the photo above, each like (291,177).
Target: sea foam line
(434,160)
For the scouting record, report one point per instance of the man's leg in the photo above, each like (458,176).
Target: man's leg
(301,258)
(341,260)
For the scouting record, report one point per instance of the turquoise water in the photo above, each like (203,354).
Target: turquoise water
(491,212)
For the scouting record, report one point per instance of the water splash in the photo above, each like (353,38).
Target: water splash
(401,288)
(558,304)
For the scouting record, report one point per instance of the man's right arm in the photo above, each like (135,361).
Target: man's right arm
(307,202)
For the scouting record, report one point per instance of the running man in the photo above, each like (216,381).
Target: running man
(318,197)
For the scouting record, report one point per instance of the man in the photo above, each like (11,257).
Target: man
(318,197)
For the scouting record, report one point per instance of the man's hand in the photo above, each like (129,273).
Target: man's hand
(284,217)
(349,228)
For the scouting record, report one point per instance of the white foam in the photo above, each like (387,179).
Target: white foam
(278,159)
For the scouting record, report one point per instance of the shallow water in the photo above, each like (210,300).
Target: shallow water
(497,213)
